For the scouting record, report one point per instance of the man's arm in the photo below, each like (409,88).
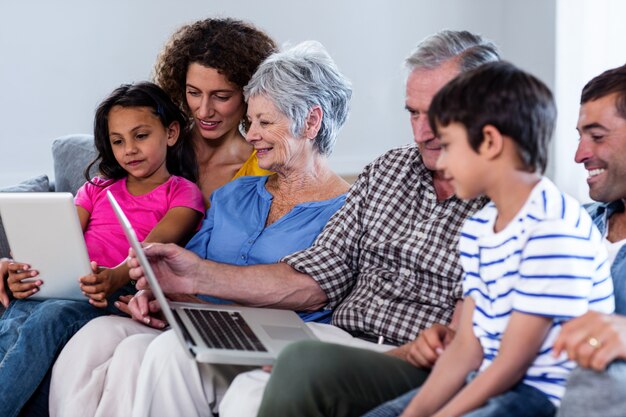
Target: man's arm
(593,340)
(276,285)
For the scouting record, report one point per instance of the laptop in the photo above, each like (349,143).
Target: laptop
(43,230)
(221,334)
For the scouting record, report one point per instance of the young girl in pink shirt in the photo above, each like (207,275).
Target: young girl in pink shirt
(146,160)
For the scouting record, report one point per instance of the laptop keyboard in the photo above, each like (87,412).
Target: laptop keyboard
(224,330)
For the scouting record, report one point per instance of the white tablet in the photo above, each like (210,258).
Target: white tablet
(44,231)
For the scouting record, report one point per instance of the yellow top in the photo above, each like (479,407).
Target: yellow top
(251,167)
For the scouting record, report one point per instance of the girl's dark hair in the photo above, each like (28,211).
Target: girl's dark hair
(181,158)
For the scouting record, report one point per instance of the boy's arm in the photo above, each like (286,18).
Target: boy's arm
(520,345)
(177,225)
(464,354)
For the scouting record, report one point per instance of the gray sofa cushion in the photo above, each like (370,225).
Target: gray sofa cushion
(37,184)
(71,155)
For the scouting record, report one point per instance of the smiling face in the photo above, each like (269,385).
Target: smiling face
(139,142)
(602,148)
(459,163)
(270,134)
(421,87)
(216,104)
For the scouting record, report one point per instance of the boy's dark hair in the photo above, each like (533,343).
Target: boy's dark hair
(609,82)
(519,105)
(181,158)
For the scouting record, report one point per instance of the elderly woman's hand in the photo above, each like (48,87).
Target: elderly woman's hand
(144,308)
(175,268)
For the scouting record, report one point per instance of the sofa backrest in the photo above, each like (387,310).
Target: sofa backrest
(37,184)
(71,155)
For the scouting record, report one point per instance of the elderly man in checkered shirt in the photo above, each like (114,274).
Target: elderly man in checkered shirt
(386,263)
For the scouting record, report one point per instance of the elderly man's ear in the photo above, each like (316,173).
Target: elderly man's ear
(313,122)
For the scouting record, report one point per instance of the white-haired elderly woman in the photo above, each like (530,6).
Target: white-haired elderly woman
(297,102)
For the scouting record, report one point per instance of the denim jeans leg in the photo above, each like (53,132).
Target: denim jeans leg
(32,333)
(520,401)
(394,407)
(11,322)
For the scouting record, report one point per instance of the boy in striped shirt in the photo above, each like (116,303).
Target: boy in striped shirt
(532,258)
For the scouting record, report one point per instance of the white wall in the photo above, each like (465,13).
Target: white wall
(590,40)
(59,59)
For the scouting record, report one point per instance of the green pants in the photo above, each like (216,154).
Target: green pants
(322,379)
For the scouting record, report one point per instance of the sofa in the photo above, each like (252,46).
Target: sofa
(71,154)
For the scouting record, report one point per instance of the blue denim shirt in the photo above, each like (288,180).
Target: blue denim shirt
(234,230)
(600,213)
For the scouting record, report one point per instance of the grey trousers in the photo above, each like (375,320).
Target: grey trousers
(595,394)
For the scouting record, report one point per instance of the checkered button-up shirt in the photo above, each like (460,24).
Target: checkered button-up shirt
(388,259)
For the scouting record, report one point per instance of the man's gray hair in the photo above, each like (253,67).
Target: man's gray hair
(469,49)
(298,79)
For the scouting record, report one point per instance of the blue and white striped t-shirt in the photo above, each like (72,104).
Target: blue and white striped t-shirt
(548,261)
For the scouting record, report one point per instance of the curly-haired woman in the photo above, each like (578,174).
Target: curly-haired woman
(204,67)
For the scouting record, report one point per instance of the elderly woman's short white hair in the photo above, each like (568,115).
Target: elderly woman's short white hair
(298,79)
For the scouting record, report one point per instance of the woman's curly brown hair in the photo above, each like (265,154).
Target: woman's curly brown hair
(233,47)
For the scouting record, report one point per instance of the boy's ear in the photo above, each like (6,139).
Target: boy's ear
(313,122)
(173,131)
(493,142)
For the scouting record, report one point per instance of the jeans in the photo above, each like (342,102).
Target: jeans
(32,333)
(520,401)
(37,405)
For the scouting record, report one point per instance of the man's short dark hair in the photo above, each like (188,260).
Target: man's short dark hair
(518,104)
(609,82)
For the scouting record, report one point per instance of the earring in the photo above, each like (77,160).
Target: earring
(243,127)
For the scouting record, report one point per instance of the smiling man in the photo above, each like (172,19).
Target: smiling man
(597,342)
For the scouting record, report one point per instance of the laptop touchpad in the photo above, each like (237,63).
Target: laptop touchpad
(286,333)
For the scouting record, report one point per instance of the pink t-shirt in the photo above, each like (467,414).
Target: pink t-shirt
(105,239)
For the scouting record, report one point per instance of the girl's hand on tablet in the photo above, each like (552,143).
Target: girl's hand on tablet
(100,284)
(22,281)
(4,275)
(91,286)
